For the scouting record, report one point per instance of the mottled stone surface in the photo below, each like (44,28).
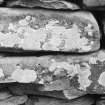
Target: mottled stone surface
(57,72)
(51,101)
(4,95)
(35,89)
(14,100)
(8,99)
(51,4)
(94,3)
(46,30)
(100,100)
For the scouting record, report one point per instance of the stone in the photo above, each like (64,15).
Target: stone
(49,4)
(100,100)
(86,100)
(4,95)
(1,1)
(6,98)
(84,74)
(47,30)
(35,89)
(94,3)
(14,100)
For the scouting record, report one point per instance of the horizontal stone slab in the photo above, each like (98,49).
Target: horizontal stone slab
(51,4)
(51,101)
(57,72)
(6,98)
(35,89)
(48,30)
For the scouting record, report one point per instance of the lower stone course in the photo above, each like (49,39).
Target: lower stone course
(7,98)
(74,76)
(52,101)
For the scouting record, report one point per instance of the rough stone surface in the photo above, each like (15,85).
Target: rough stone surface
(34,89)
(57,72)
(4,95)
(51,101)
(46,30)
(100,100)
(1,1)
(14,100)
(8,99)
(94,3)
(51,4)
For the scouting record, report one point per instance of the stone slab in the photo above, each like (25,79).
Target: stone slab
(49,4)
(48,30)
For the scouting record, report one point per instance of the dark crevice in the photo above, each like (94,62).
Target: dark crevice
(41,53)
(100,20)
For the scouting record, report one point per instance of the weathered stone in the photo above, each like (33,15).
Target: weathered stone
(52,4)
(86,100)
(14,100)
(94,3)
(57,72)
(1,1)
(4,95)
(35,89)
(100,100)
(46,30)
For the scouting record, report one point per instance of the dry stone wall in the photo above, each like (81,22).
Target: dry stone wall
(52,52)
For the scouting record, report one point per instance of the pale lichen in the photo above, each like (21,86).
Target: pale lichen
(72,93)
(83,72)
(59,85)
(101,56)
(1,73)
(101,79)
(70,36)
(93,60)
(24,76)
(60,37)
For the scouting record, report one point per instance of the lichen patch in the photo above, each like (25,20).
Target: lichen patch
(84,79)
(57,67)
(72,93)
(93,60)
(101,56)
(101,79)
(83,74)
(24,76)
(30,29)
(1,73)
(82,71)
